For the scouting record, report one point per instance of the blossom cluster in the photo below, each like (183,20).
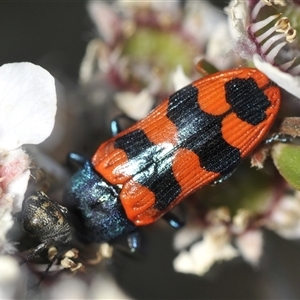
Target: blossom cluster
(28,108)
(145,51)
(262,34)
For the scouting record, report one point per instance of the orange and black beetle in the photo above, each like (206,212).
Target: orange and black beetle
(196,137)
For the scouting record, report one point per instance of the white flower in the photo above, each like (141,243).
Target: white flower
(214,247)
(27,111)
(14,175)
(265,32)
(285,80)
(6,222)
(28,105)
(219,231)
(135,106)
(250,245)
(11,278)
(100,287)
(180,80)
(285,217)
(142,42)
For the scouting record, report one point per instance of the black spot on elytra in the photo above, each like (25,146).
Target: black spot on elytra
(201,132)
(247,100)
(134,144)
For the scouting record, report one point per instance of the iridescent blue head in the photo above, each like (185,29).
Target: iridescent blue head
(96,203)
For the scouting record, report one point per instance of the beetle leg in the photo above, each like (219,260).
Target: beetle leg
(43,275)
(134,241)
(173,220)
(75,160)
(223,178)
(35,252)
(279,138)
(115,126)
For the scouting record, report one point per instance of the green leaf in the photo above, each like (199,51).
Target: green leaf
(287,160)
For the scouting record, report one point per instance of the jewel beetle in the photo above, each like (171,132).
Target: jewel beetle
(196,137)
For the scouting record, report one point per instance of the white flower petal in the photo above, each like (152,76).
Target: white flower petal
(17,189)
(170,7)
(238,21)
(238,18)
(9,277)
(285,217)
(69,288)
(105,19)
(90,62)
(6,223)
(186,236)
(27,105)
(185,263)
(108,289)
(250,245)
(200,20)
(101,287)
(180,80)
(220,57)
(286,81)
(202,255)
(136,106)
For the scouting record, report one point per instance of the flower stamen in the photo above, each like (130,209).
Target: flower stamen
(257,8)
(291,35)
(267,2)
(288,64)
(261,24)
(295,70)
(267,45)
(264,35)
(276,2)
(268,40)
(268,35)
(283,24)
(273,53)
